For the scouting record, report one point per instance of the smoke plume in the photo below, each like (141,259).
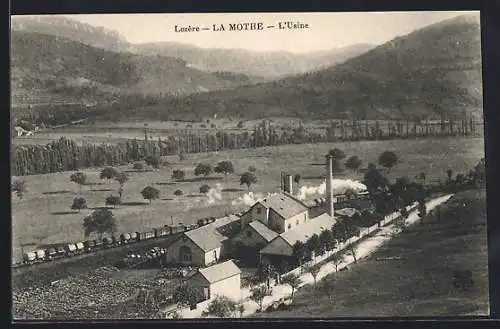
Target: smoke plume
(215,194)
(340,186)
(250,198)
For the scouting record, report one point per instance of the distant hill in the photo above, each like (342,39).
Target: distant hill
(60,26)
(47,68)
(264,64)
(428,73)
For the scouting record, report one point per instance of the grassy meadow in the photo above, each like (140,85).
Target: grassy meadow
(420,282)
(43,215)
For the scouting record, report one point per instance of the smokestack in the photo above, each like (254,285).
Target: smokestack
(288,184)
(329,187)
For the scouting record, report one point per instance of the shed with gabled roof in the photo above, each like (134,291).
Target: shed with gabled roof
(223,279)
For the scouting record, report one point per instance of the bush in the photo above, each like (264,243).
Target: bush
(252,169)
(203,169)
(178,174)
(113,200)
(178,192)
(138,166)
(204,189)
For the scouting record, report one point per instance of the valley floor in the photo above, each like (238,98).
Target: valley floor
(44,216)
(417,281)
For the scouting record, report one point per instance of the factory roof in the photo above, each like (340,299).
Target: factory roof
(219,272)
(346,212)
(304,231)
(263,230)
(206,237)
(284,204)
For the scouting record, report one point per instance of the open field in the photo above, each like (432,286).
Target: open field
(420,282)
(44,216)
(113,132)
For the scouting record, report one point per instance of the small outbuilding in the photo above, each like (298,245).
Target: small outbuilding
(223,279)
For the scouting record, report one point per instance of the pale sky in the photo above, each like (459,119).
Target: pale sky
(326,30)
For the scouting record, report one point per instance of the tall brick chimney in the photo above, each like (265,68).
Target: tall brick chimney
(329,187)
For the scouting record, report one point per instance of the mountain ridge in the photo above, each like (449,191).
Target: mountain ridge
(431,72)
(270,65)
(50,65)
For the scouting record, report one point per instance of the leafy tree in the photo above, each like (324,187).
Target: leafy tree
(296,178)
(241,309)
(404,213)
(121,178)
(79,178)
(374,180)
(353,163)
(150,193)
(100,221)
(300,251)
(267,271)
(204,189)
(449,173)
(176,315)
(313,244)
(337,259)
(187,295)
(19,186)
(257,294)
(293,280)
(178,175)
(138,166)
(351,251)
(203,169)
(224,167)
(460,180)
(337,154)
(153,161)
(178,193)
(388,159)
(113,200)
(252,169)
(314,271)
(399,224)
(248,178)
(108,173)
(78,204)
(422,209)
(221,307)
(326,240)
(479,173)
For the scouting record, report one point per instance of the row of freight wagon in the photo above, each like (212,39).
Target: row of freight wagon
(73,249)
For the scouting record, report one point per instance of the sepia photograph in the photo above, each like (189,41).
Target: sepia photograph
(247,166)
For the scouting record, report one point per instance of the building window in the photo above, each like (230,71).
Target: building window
(215,254)
(185,254)
(289,226)
(297,222)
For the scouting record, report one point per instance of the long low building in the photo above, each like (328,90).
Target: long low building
(205,245)
(279,252)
